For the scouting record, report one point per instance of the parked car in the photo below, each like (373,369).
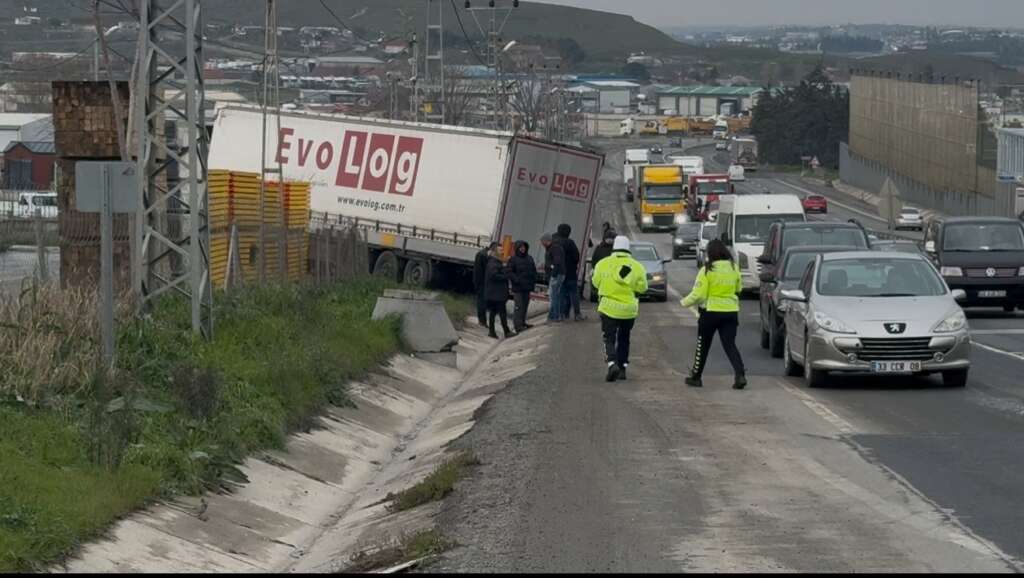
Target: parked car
(815,204)
(737,173)
(773,308)
(722,145)
(984,256)
(783,235)
(896,246)
(630,190)
(875,313)
(708,232)
(657,280)
(29,202)
(910,219)
(686,240)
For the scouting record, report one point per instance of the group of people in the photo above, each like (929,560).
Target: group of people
(619,281)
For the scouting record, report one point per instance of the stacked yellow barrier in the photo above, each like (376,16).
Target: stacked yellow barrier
(235,201)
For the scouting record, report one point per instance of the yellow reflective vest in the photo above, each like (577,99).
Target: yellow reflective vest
(618,295)
(717,290)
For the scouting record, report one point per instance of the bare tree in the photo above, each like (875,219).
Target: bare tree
(528,97)
(459,95)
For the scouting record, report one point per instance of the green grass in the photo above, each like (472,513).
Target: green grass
(415,546)
(435,486)
(459,308)
(178,414)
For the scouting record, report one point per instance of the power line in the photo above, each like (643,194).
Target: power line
(343,24)
(466,36)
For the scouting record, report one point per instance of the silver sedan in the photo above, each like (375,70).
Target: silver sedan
(877,313)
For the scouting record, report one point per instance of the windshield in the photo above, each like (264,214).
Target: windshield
(709,232)
(713,188)
(983,237)
(879,278)
(754,228)
(796,265)
(841,237)
(911,212)
(43,201)
(645,253)
(663,192)
(688,230)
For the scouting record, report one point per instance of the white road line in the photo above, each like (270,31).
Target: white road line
(997,332)
(834,202)
(997,350)
(844,427)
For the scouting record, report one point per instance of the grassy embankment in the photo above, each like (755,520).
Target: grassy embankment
(80,447)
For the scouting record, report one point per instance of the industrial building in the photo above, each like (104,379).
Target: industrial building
(703,100)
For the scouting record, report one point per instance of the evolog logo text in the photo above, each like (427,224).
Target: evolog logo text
(561,184)
(371,162)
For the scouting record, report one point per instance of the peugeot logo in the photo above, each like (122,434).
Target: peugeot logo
(895,328)
(990,272)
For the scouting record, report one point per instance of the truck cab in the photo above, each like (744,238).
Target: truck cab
(659,202)
(721,130)
(706,188)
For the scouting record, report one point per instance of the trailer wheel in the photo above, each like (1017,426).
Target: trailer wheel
(418,272)
(386,266)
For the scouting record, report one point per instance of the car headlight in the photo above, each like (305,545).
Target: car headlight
(954,322)
(647,219)
(831,324)
(951,272)
(677,241)
(657,278)
(681,218)
(1020,272)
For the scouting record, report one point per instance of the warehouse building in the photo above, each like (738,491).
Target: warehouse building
(702,100)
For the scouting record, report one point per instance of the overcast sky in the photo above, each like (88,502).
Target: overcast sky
(666,13)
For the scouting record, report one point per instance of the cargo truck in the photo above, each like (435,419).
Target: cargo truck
(427,197)
(659,202)
(745,153)
(704,190)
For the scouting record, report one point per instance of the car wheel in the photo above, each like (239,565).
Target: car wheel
(661,298)
(954,378)
(813,377)
(792,367)
(775,339)
(764,334)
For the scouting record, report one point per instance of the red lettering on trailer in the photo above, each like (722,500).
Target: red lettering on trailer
(378,163)
(406,165)
(305,147)
(324,155)
(283,144)
(353,156)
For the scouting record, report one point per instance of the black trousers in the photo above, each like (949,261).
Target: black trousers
(481,307)
(497,308)
(522,300)
(616,339)
(726,325)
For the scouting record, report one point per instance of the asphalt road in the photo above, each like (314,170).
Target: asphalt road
(649,475)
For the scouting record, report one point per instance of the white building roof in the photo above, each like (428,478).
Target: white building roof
(16,120)
(612,84)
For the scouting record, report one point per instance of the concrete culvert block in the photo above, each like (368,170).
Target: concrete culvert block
(426,327)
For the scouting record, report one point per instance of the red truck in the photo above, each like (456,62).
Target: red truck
(706,189)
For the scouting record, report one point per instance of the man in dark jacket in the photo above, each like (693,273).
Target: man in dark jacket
(522,271)
(496,291)
(479,270)
(571,287)
(554,268)
(600,252)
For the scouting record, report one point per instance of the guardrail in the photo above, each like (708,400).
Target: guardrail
(319,220)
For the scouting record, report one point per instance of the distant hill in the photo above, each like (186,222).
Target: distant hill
(602,35)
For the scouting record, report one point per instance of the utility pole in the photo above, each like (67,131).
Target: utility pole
(170,84)
(270,107)
(415,103)
(434,69)
(493,34)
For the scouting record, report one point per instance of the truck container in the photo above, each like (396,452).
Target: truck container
(428,197)
(659,201)
(745,153)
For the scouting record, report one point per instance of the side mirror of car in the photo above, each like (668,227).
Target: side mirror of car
(959,294)
(666,261)
(766,277)
(764,260)
(929,246)
(794,295)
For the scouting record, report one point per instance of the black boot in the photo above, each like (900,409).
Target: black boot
(741,381)
(613,372)
(492,334)
(694,382)
(622,373)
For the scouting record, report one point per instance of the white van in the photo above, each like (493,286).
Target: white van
(737,173)
(743,222)
(691,165)
(634,157)
(45,202)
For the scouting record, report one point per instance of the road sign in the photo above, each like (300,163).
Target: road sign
(890,204)
(814,163)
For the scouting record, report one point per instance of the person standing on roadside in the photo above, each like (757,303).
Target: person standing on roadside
(496,292)
(716,294)
(571,286)
(619,280)
(554,268)
(479,272)
(605,248)
(522,270)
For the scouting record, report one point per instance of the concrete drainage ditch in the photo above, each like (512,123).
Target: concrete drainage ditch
(315,505)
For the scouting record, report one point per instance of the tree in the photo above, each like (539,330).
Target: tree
(571,51)
(459,95)
(637,71)
(809,119)
(527,98)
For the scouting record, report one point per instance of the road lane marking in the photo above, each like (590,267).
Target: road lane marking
(997,350)
(845,428)
(997,332)
(833,201)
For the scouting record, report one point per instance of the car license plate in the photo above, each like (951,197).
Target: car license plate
(895,366)
(985,294)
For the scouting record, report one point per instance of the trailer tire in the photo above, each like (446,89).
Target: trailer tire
(386,266)
(419,272)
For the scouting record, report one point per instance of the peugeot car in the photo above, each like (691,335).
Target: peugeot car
(657,280)
(875,313)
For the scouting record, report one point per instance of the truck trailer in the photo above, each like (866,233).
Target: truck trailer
(427,197)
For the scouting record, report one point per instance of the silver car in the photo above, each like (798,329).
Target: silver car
(878,313)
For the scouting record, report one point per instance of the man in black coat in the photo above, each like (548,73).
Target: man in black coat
(570,287)
(522,270)
(496,292)
(600,252)
(554,268)
(479,271)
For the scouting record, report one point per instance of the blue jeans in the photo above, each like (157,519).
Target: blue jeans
(570,297)
(555,297)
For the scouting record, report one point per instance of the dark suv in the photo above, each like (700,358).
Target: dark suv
(782,235)
(984,256)
(686,240)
